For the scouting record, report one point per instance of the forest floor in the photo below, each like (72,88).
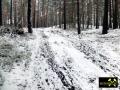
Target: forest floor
(54,59)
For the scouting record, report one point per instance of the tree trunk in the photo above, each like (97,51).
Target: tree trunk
(60,22)
(11,4)
(110,14)
(15,16)
(105,19)
(115,14)
(34,13)
(29,17)
(78,17)
(0,12)
(97,16)
(64,14)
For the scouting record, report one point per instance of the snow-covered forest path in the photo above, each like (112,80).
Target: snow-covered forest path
(55,62)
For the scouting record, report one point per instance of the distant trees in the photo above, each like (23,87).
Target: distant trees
(0,12)
(110,7)
(81,14)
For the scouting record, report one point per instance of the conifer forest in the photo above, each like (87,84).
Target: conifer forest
(59,44)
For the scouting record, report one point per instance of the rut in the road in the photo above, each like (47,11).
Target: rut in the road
(54,66)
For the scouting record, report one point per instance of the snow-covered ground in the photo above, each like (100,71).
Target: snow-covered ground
(54,59)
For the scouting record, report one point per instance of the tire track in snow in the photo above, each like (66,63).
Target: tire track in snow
(98,58)
(38,75)
(54,66)
(44,78)
(78,69)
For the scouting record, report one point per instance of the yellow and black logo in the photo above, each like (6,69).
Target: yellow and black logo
(108,82)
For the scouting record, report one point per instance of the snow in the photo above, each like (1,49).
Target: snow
(80,65)
(54,59)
